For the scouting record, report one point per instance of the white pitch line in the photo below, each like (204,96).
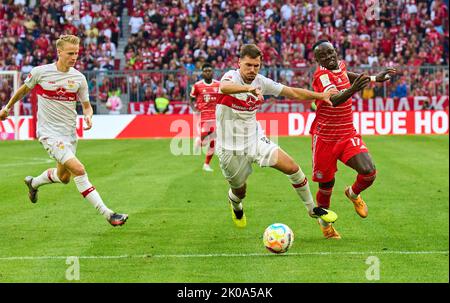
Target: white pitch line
(387,252)
(24,163)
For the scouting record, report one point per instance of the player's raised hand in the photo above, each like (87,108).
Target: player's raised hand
(386,74)
(256,92)
(327,95)
(252,90)
(259,94)
(360,82)
(88,121)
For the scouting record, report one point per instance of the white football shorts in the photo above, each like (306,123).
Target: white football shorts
(237,166)
(60,149)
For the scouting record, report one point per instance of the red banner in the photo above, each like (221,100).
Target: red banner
(283,106)
(275,124)
(297,124)
(400,104)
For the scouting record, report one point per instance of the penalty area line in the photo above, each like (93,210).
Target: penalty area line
(145,256)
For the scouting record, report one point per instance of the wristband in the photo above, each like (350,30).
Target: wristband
(373,78)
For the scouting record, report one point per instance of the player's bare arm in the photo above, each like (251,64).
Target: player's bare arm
(19,94)
(192,104)
(359,83)
(229,88)
(383,76)
(192,100)
(87,112)
(304,94)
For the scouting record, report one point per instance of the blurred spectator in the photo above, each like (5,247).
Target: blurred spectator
(135,23)
(5,91)
(368,92)
(114,103)
(161,101)
(427,106)
(401,89)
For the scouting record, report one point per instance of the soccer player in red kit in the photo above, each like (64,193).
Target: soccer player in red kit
(204,95)
(333,134)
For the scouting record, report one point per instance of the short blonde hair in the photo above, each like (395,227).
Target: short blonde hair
(67,39)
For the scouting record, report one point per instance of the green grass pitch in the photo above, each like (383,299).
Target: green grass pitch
(180,228)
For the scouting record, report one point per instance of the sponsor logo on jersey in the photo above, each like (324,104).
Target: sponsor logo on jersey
(325,80)
(251,101)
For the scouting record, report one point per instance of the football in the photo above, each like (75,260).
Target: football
(278,238)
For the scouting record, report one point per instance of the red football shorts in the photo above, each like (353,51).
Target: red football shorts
(326,155)
(207,128)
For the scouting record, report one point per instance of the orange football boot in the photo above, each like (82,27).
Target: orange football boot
(329,232)
(358,203)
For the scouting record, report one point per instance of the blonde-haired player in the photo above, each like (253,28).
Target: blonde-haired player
(59,86)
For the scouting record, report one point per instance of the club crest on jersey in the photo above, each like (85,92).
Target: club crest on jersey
(318,174)
(71,84)
(60,145)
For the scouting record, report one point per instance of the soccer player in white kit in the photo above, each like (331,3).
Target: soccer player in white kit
(59,86)
(241,140)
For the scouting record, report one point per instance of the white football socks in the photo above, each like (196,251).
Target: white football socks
(90,193)
(323,223)
(236,202)
(47,177)
(301,186)
(352,194)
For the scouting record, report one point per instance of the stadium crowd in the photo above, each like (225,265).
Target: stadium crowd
(187,33)
(180,35)
(28,30)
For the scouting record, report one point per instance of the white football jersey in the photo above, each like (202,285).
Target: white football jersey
(57,93)
(236,126)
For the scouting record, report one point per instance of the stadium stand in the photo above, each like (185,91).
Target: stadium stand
(174,38)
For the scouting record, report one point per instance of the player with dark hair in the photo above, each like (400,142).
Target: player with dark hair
(241,140)
(333,135)
(204,99)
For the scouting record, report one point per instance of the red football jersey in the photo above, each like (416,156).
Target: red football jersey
(206,98)
(332,123)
